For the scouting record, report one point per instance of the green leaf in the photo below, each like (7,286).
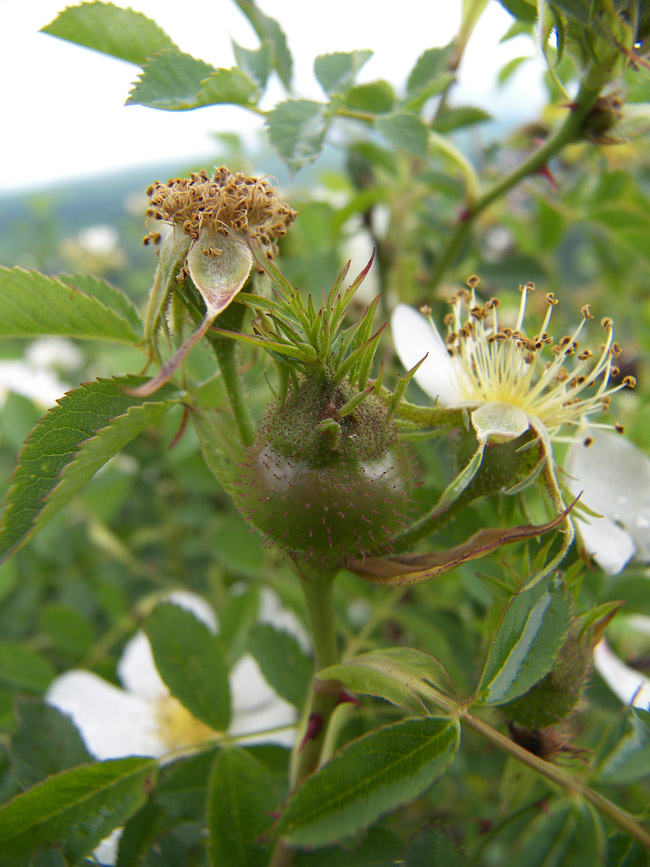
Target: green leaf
(396,674)
(432,847)
(624,757)
(255,64)
(430,65)
(570,833)
(404,131)
(336,72)
(379,848)
(241,800)
(369,777)
(189,659)
(67,447)
(623,851)
(269,31)
(33,304)
(508,69)
(229,86)
(76,809)
(46,743)
(284,664)
(297,129)
(24,669)
(181,789)
(526,643)
(433,88)
(139,836)
(109,296)
(170,80)
(377,97)
(209,430)
(67,628)
(457,117)
(104,27)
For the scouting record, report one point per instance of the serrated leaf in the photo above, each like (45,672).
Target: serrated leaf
(457,117)
(623,851)
(369,777)
(139,835)
(624,757)
(297,129)
(24,669)
(67,447)
(427,91)
(404,131)
(241,801)
(431,64)
(571,832)
(509,68)
(376,96)
(76,809)
(285,666)
(526,643)
(170,80)
(109,296)
(255,64)
(104,27)
(190,661)
(268,30)
(228,86)
(395,674)
(335,72)
(45,743)
(34,305)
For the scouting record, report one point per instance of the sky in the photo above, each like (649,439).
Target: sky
(64,106)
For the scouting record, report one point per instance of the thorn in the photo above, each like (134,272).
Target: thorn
(346,697)
(178,436)
(463,215)
(546,172)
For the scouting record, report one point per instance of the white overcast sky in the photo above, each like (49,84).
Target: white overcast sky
(63,106)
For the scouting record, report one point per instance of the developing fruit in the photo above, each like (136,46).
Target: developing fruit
(326,486)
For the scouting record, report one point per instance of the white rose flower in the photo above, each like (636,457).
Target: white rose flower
(144,719)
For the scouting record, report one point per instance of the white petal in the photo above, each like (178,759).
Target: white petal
(632,687)
(273,612)
(249,690)
(611,546)
(414,337)
(615,478)
(499,422)
(106,852)
(274,714)
(113,723)
(197,605)
(136,668)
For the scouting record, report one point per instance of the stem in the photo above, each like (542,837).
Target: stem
(567,133)
(559,777)
(318,591)
(226,353)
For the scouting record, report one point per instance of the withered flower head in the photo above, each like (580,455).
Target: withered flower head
(213,221)
(226,201)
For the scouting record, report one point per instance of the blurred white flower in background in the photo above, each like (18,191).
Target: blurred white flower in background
(36,376)
(144,719)
(630,685)
(614,476)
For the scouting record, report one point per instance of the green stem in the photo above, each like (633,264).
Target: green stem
(560,777)
(226,352)
(567,133)
(317,588)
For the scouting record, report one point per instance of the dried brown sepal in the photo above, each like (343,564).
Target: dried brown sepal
(414,568)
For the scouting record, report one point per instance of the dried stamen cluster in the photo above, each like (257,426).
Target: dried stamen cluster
(224,202)
(500,364)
